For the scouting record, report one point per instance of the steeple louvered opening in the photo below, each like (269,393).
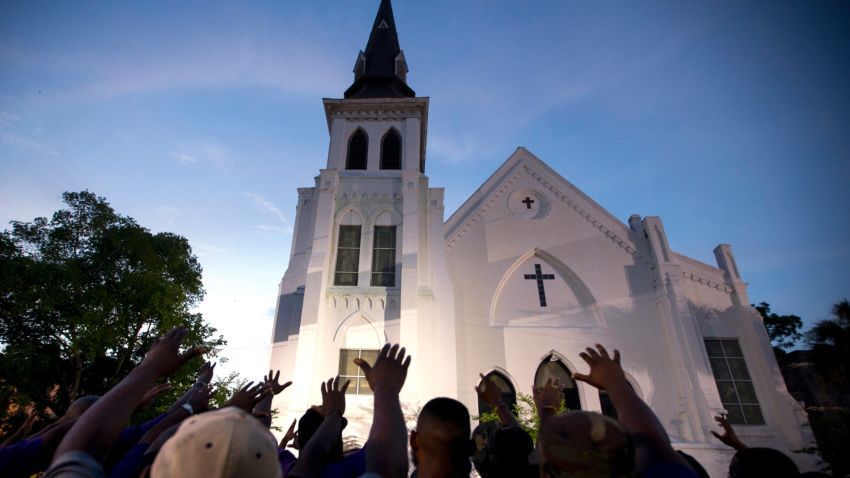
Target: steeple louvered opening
(358,150)
(391,150)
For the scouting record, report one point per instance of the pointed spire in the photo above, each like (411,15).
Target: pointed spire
(381,70)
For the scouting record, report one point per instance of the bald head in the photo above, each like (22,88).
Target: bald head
(585,445)
(442,433)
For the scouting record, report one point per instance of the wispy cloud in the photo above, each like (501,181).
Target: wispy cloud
(284,226)
(26,145)
(264,205)
(198,152)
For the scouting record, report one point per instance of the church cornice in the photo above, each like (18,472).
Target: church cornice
(707,282)
(377,109)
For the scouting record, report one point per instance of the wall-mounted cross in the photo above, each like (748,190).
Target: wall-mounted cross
(539,276)
(528,202)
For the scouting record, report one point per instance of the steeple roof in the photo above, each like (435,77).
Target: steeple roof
(381,71)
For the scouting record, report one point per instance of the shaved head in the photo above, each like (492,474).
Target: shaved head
(80,405)
(585,445)
(442,435)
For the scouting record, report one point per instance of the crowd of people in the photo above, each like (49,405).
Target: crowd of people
(93,439)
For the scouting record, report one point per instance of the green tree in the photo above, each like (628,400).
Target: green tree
(82,297)
(830,343)
(783,330)
(525,411)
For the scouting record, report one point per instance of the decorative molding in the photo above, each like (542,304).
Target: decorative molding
(582,212)
(480,213)
(707,282)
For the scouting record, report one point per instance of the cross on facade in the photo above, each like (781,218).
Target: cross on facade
(528,202)
(539,276)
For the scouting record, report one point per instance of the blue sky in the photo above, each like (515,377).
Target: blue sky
(730,120)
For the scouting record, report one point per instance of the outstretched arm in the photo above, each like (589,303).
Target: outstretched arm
(729,437)
(490,394)
(316,454)
(652,445)
(547,399)
(20,432)
(386,449)
(263,409)
(97,429)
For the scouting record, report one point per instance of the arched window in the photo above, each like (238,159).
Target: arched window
(553,368)
(358,148)
(607,405)
(503,384)
(391,150)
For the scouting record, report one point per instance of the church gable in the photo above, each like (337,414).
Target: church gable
(526,188)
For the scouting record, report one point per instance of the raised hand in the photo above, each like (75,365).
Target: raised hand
(248,396)
(164,356)
(205,373)
(389,371)
(489,393)
(151,394)
(290,434)
(728,437)
(273,384)
(200,400)
(605,371)
(333,397)
(549,396)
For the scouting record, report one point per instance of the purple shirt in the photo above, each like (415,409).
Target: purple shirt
(23,458)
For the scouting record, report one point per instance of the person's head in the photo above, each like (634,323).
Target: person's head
(224,443)
(307,426)
(504,452)
(757,462)
(441,438)
(79,406)
(584,445)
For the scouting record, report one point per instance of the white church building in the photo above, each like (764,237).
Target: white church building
(515,284)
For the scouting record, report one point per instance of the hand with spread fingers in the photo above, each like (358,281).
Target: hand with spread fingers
(389,371)
(728,437)
(605,371)
(489,393)
(272,382)
(164,356)
(200,400)
(248,396)
(333,396)
(549,395)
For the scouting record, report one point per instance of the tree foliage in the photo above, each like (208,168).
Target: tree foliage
(783,330)
(525,411)
(830,343)
(82,297)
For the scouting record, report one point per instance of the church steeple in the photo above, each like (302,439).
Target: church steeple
(381,71)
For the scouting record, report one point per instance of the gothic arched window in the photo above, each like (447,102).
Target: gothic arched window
(358,148)
(553,368)
(504,385)
(391,150)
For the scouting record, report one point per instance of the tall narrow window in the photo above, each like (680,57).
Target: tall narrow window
(348,370)
(733,382)
(504,386)
(555,369)
(391,150)
(383,257)
(358,148)
(347,255)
